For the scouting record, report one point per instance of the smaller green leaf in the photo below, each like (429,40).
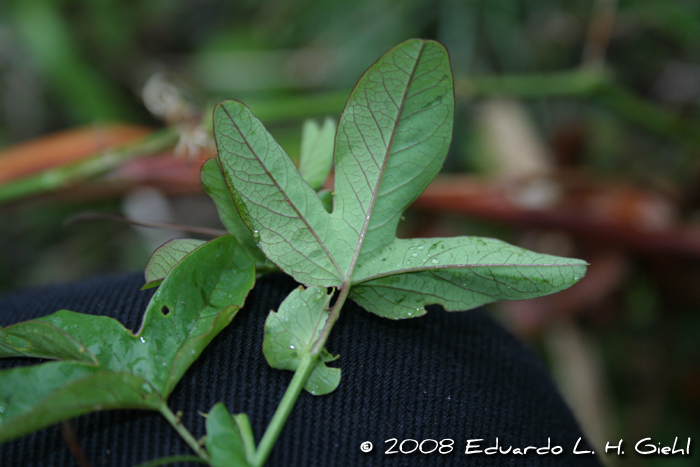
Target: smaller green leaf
(104,365)
(316,156)
(291,333)
(215,186)
(229,438)
(166,257)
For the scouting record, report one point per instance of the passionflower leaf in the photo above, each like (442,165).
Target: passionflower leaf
(291,333)
(103,365)
(391,141)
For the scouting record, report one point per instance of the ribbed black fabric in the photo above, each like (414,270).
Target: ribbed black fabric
(444,375)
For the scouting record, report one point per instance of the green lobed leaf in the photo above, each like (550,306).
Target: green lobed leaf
(316,157)
(199,297)
(392,139)
(166,257)
(291,333)
(225,441)
(215,186)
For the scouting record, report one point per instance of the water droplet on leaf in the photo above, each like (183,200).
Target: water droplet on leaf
(143,341)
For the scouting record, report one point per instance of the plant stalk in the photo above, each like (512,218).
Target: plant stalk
(183,432)
(301,375)
(308,362)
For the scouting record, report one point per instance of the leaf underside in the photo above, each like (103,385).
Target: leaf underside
(102,365)
(392,139)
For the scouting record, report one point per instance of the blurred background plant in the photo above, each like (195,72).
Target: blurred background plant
(577,133)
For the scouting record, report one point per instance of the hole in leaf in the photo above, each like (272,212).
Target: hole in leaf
(165,311)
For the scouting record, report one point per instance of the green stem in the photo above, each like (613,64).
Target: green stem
(301,375)
(183,432)
(96,165)
(308,362)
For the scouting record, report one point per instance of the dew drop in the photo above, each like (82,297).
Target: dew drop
(143,341)
(256,236)
(292,347)
(434,261)
(147,388)
(194,351)
(415,255)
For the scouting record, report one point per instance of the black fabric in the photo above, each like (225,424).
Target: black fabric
(444,375)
